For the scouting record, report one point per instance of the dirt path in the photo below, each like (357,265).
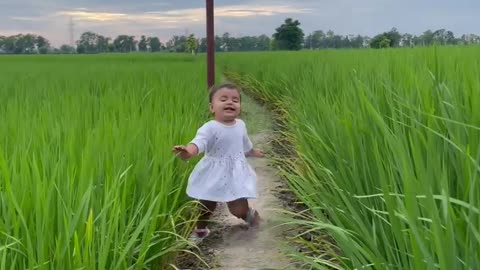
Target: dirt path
(242,248)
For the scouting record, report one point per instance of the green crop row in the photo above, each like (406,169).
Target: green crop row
(387,150)
(87,178)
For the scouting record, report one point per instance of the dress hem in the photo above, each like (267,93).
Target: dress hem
(223,200)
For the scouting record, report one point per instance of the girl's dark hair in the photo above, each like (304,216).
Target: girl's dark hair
(215,89)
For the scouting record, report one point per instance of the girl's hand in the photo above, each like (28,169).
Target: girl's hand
(185,152)
(181,151)
(257,153)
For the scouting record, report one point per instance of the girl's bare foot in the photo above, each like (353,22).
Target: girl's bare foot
(253,218)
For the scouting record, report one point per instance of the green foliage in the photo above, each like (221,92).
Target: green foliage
(386,40)
(320,40)
(143,44)
(386,151)
(24,44)
(87,177)
(125,43)
(289,36)
(91,43)
(192,44)
(66,49)
(155,44)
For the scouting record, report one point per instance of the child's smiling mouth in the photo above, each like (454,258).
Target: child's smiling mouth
(229,109)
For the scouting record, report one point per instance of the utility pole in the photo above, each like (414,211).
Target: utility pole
(210,44)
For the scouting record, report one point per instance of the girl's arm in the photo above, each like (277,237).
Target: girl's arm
(185,152)
(196,146)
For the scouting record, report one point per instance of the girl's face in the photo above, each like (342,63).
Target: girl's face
(225,105)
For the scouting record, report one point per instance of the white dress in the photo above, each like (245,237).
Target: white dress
(223,174)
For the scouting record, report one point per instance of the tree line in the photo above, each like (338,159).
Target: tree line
(288,36)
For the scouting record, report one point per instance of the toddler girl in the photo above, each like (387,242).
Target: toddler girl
(223,174)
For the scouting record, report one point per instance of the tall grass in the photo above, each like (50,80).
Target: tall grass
(388,150)
(87,179)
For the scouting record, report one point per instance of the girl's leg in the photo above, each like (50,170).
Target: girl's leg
(206,211)
(241,209)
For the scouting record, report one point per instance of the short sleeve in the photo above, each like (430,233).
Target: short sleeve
(247,143)
(202,138)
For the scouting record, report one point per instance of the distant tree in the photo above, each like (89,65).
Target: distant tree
(308,42)
(471,39)
(218,43)
(177,44)
(443,37)
(289,36)
(226,42)
(102,44)
(91,42)
(87,43)
(439,37)
(450,38)
(25,44)
(7,44)
(248,43)
(125,43)
(143,44)
(234,44)
(43,45)
(317,38)
(2,42)
(81,49)
(263,43)
(66,49)
(111,47)
(407,40)
(385,42)
(358,42)
(426,39)
(386,39)
(329,40)
(394,36)
(155,44)
(192,44)
(380,41)
(311,42)
(202,47)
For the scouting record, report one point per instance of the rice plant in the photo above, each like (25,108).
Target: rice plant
(387,146)
(87,179)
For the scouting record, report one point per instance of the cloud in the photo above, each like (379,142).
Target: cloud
(93,16)
(28,19)
(178,17)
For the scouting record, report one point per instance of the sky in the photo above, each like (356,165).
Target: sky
(165,18)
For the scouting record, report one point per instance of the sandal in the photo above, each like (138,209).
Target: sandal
(253,218)
(198,235)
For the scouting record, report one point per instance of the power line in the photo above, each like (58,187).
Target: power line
(71,27)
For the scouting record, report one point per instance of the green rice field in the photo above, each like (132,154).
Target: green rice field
(87,179)
(387,151)
(386,155)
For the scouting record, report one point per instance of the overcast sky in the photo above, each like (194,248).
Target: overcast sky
(164,18)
